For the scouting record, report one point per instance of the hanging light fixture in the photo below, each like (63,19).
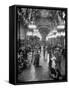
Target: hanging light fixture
(32,25)
(61,27)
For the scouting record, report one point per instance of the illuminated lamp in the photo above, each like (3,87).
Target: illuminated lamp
(31,26)
(60,26)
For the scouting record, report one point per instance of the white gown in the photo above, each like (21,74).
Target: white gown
(41,56)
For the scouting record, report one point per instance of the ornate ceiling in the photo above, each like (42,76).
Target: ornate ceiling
(40,16)
(45,20)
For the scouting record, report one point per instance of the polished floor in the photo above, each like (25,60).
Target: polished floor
(35,74)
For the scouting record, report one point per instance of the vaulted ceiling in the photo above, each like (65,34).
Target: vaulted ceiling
(45,20)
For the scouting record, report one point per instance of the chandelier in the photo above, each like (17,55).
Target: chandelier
(32,25)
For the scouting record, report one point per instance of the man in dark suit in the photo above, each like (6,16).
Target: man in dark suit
(37,57)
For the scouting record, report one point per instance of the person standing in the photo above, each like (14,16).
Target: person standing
(36,61)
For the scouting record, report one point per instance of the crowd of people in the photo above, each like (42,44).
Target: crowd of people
(57,63)
(27,56)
